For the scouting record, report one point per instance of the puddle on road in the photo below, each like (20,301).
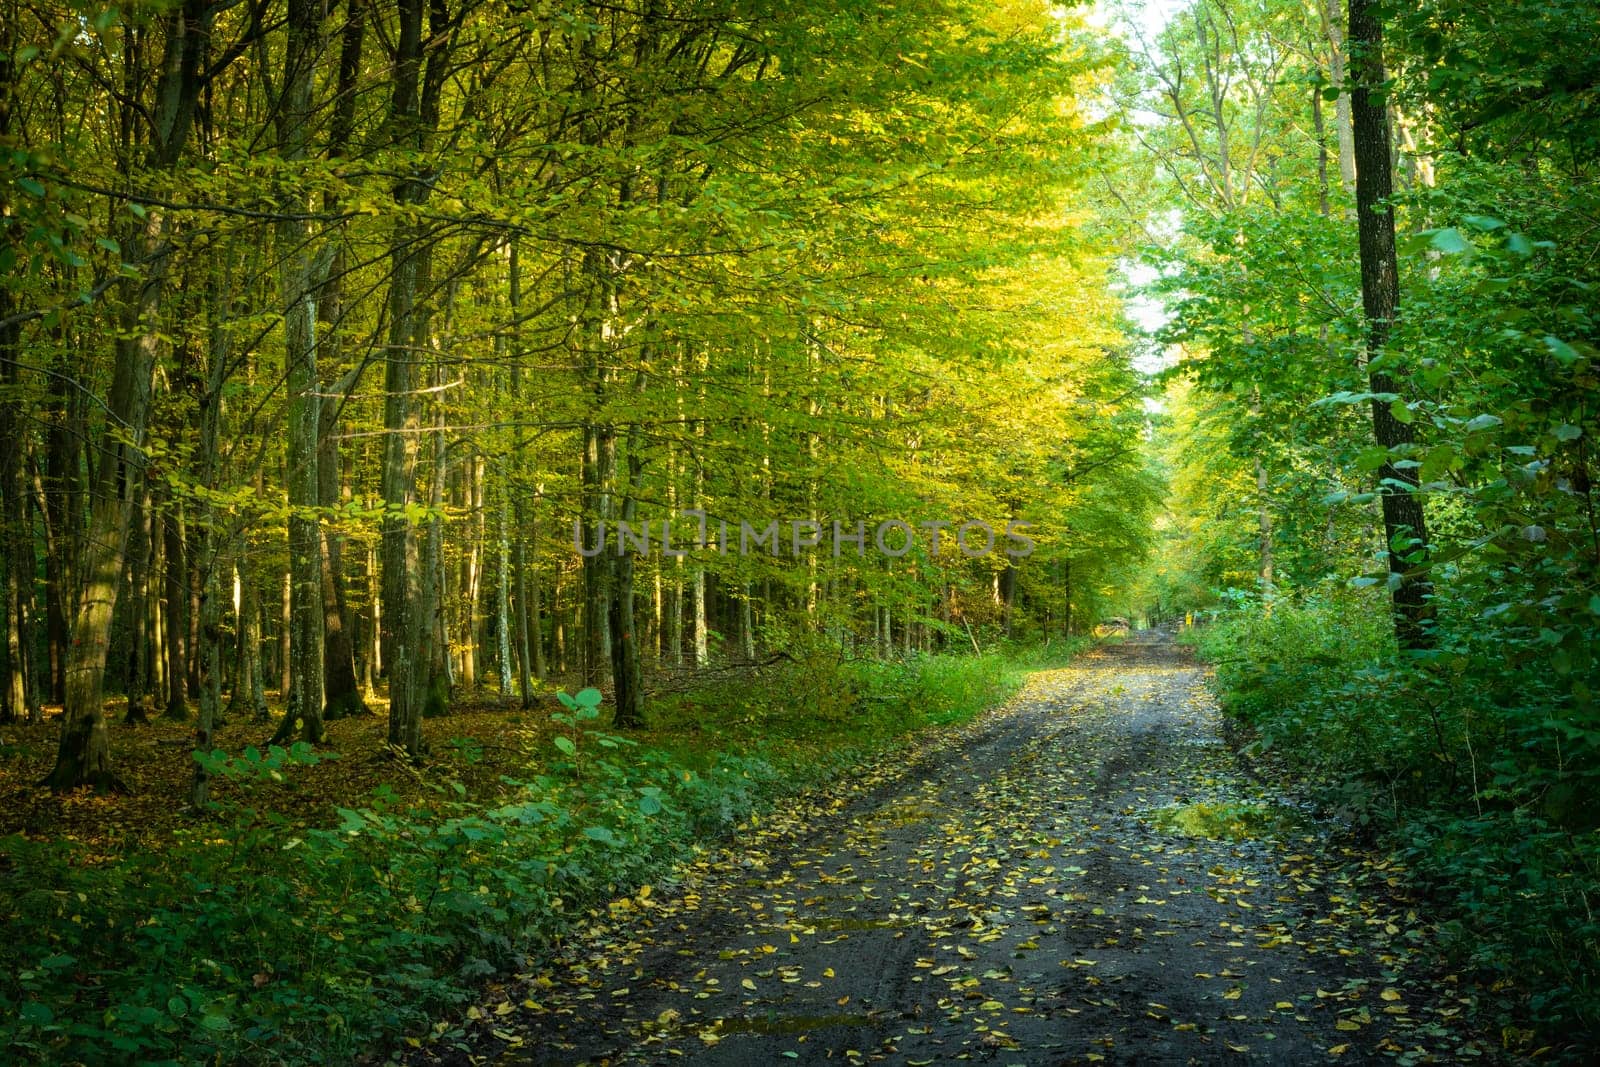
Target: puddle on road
(905,812)
(1227,820)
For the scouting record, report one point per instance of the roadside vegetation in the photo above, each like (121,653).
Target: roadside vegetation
(265,935)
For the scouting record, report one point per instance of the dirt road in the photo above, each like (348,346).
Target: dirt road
(1081,876)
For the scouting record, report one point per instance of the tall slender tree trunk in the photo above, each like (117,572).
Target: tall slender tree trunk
(1337,63)
(83,756)
(502,607)
(60,495)
(429,679)
(747,626)
(175,613)
(1405,526)
(12,440)
(370,666)
(1066,598)
(208,564)
(285,626)
(138,613)
(300,277)
(410,256)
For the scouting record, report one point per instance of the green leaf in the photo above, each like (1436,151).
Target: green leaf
(1484,223)
(31,186)
(1372,458)
(589,698)
(649,805)
(566,745)
(1451,242)
(601,834)
(1564,353)
(1401,412)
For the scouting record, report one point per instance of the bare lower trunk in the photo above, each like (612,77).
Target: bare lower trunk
(527,623)
(747,627)
(502,608)
(83,756)
(249,693)
(137,579)
(429,679)
(342,693)
(175,587)
(697,617)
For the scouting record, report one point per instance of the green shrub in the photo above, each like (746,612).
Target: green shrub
(1474,761)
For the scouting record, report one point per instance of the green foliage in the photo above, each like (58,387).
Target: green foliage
(254,940)
(1470,762)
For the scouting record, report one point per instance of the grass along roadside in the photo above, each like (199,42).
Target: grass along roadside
(259,935)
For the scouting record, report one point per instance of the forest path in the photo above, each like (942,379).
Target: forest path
(1019,892)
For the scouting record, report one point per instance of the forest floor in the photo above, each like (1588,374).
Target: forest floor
(1085,874)
(480,742)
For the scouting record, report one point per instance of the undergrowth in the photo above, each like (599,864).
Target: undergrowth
(1477,764)
(257,940)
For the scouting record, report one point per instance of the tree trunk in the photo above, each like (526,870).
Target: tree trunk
(137,581)
(175,613)
(599,464)
(1343,126)
(502,608)
(410,257)
(625,674)
(342,692)
(747,626)
(527,621)
(1405,526)
(209,568)
(1066,598)
(429,672)
(285,625)
(249,688)
(300,277)
(83,756)
(697,616)
(370,665)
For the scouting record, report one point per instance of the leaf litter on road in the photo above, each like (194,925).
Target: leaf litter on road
(1082,875)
